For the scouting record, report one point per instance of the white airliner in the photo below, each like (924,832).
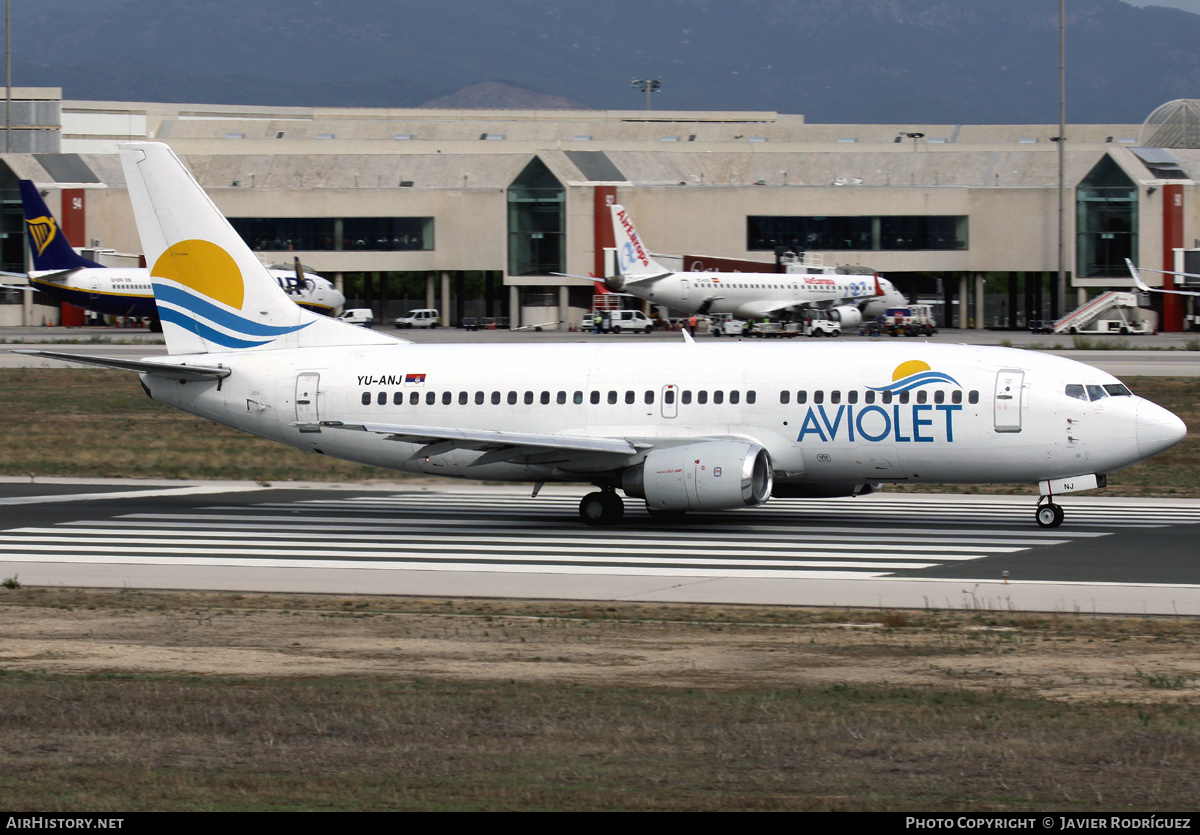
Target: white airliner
(1136,272)
(681,426)
(65,275)
(847,298)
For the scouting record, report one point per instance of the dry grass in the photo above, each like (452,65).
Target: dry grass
(114,701)
(97,423)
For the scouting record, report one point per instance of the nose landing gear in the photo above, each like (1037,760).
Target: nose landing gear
(1049,515)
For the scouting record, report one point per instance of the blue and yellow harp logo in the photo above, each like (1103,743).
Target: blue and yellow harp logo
(42,231)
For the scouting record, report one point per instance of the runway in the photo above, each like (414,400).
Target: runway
(912,551)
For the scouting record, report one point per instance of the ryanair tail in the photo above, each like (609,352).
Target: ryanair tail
(213,295)
(633,259)
(51,252)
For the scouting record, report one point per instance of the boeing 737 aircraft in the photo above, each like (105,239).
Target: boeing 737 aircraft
(847,298)
(1136,272)
(680,426)
(65,275)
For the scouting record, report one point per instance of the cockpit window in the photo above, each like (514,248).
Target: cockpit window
(1096,393)
(1118,390)
(1077,392)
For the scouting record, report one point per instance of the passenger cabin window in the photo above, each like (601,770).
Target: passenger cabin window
(430,398)
(594,397)
(414,399)
(734,396)
(382,398)
(785,397)
(686,396)
(702,397)
(973,397)
(718,397)
(366,398)
(398,399)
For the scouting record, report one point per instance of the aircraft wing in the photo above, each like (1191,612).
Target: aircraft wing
(497,446)
(176,371)
(1145,288)
(52,275)
(767,307)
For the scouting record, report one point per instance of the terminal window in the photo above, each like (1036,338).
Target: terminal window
(865,233)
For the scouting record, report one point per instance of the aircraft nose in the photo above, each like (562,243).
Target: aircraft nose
(614,283)
(1157,429)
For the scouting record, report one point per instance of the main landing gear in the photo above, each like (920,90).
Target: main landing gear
(1049,515)
(603,507)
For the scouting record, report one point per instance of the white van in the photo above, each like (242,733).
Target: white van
(358,316)
(426,317)
(628,321)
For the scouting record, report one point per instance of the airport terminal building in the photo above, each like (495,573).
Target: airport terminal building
(478,212)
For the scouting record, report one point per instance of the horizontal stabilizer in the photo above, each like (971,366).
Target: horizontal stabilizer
(176,371)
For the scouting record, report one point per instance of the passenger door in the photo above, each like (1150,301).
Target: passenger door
(1007,401)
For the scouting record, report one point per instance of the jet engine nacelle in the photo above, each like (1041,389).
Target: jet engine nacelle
(712,475)
(848,316)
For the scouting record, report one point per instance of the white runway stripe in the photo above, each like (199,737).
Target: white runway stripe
(513,533)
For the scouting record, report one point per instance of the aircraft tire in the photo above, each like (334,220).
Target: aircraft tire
(1050,515)
(602,507)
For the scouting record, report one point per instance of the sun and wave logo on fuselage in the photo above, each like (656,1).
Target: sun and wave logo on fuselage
(206,290)
(889,421)
(914,374)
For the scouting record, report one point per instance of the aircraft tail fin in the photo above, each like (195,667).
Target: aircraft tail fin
(633,259)
(49,246)
(213,295)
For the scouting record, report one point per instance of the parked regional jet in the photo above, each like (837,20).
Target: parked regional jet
(680,426)
(847,298)
(65,275)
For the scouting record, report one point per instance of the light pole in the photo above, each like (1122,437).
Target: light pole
(647,86)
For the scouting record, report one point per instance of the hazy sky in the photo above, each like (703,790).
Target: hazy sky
(1187,5)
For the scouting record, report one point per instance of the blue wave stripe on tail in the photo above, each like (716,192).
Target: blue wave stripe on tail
(197,305)
(176,317)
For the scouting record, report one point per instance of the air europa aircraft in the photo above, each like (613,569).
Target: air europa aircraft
(848,298)
(65,275)
(681,426)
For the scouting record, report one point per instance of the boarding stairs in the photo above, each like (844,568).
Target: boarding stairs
(1114,311)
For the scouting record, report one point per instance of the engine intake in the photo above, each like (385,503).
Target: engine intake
(848,316)
(711,475)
